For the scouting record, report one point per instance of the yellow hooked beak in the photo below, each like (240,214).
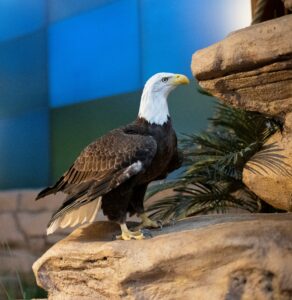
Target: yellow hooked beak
(180,79)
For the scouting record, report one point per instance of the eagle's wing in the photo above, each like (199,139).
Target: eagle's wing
(103,166)
(109,161)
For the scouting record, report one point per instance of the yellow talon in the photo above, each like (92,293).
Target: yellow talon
(129,235)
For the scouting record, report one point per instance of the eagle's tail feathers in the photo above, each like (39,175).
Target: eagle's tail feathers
(79,215)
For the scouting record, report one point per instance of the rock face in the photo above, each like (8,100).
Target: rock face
(274,186)
(251,68)
(207,257)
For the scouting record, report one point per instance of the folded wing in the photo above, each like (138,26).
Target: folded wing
(101,167)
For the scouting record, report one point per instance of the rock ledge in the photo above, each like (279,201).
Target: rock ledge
(207,257)
(251,68)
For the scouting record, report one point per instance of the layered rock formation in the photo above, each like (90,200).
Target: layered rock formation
(207,257)
(252,69)
(275,187)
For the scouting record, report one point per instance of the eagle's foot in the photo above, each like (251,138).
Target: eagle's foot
(148,223)
(128,235)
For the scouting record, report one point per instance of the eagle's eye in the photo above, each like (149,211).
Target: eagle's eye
(164,79)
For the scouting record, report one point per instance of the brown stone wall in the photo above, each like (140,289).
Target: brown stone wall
(23,229)
(23,223)
(23,238)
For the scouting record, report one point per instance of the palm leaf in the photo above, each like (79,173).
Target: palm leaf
(214,162)
(268,160)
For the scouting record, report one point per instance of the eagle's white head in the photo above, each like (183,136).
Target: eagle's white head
(153,105)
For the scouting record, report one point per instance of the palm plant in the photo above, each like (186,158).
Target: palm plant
(214,162)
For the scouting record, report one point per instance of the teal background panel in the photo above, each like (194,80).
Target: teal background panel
(24,150)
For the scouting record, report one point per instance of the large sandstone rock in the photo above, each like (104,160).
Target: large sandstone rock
(208,257)
(271,184)
(251,68)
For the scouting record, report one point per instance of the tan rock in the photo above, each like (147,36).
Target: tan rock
(50,203)
(273,185)
(34,224)
(207,257)
(251,68)
(288,124)
(9,232)
(8,200)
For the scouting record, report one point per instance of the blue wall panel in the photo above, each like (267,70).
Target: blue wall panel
(23,74)
(24,151)
(60,9)
(95,54)
(172,30)
(19,17)
(97,48)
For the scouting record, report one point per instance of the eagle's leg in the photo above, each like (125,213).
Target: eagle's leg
(148,223)
(129,235)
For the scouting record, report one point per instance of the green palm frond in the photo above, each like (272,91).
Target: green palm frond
(214,162)
(198,199)
(269,159)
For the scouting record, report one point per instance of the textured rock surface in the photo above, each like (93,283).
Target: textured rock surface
(23,223)
(208,257)
(274,187)
(23,235)
(251,68)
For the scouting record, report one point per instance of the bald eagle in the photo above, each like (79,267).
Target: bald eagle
(114,171)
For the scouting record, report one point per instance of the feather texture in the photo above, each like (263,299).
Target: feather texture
(83,214)
(119,165)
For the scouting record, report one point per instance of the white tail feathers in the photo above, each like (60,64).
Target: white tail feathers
(85,213)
